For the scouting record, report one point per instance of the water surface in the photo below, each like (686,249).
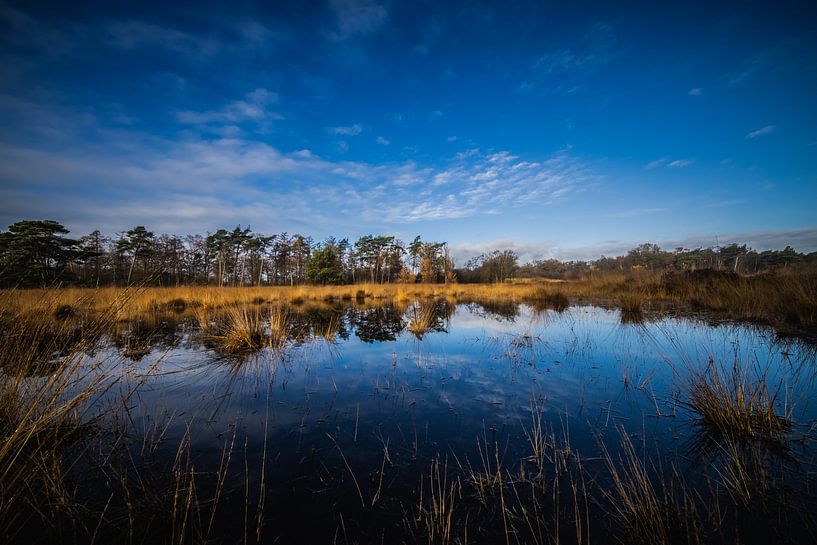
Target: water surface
(336,434)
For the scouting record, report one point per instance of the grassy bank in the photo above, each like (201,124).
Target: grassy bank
(784,297)
(78,476)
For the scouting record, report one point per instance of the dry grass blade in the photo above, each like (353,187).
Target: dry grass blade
(543,298)
(436,510)
(650,512)
(735,404)
(423,319)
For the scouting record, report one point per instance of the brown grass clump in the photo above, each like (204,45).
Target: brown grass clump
(240,329)
(43,407)
(278,327)
(631,304)
(783,295)
(734,406)
(543,298)
(423,319)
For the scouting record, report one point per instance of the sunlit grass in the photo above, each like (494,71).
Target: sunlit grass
(783,296)
(735,403)
(45,389)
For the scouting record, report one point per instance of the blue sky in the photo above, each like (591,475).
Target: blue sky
(557,129)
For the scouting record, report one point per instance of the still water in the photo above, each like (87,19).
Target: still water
(336,430)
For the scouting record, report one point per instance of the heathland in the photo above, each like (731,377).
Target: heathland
(654,401)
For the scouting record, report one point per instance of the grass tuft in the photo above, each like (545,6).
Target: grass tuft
(631,304)
(543,298)
(735,404)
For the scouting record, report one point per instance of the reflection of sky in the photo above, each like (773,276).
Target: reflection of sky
(442,394)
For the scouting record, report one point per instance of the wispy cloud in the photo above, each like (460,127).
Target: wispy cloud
(350,130)
(23,30)
(356,17)
(134,34)
(696,92)
(526,251)
(595,49)
(664,162)
(760,132)
(655,164)
(725,203)
(382,141)
(59,37)
(474,183)
(749,67)
(803,239)
(248,180)
(254,107)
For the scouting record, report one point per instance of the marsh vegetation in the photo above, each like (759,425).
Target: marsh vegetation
(637,400)
(513,413)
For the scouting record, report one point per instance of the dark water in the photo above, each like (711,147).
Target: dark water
(341,432)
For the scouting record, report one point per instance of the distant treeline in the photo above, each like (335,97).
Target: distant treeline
(737,258)
(39,253)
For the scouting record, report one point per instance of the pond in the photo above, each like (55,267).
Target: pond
(436,422)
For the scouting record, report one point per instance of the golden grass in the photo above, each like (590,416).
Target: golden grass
(631,305)
(134,300)
(42,416)
(48,430)
(237,328)
(423,318)
(44,333)
(544,298)
(783,296)
(735,404)
(437,505)
(242,329)
(786,296)
(650,510)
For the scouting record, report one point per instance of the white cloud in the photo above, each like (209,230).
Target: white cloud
(351,130)
(253,108)
(382,141)
(665,162)
(85,184)
(89,175)
(696,92)
(760,132)
(802,239)
(478,183)
(527,251)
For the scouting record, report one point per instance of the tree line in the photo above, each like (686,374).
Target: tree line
(738,258)
(40,253)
